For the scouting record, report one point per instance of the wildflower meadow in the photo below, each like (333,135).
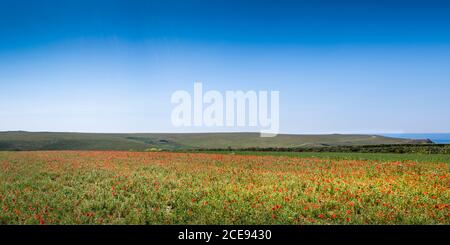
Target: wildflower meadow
(107,187)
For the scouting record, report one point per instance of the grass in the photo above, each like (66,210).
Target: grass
(416,157)
(28,141)
(89,187)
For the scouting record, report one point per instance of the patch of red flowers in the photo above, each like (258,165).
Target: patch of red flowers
(276,207)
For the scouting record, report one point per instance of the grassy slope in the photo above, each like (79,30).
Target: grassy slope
(242,140)
(86,141)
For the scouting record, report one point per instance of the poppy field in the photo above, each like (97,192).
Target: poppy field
(113,187)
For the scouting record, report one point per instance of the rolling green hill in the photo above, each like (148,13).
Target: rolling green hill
(19,140)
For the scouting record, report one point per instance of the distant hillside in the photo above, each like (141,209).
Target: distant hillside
(19,140)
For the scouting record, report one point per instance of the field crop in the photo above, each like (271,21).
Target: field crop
(76,187)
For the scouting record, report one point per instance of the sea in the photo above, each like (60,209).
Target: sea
(438,138)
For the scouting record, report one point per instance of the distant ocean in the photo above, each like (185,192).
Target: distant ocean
(436,138)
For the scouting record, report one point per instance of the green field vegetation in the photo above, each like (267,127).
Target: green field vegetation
(402,157)
(101,187)
(383,148)
(23,141)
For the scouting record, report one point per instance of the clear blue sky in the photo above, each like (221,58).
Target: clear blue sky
(111,66)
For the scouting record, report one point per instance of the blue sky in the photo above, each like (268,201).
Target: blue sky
(111,66)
